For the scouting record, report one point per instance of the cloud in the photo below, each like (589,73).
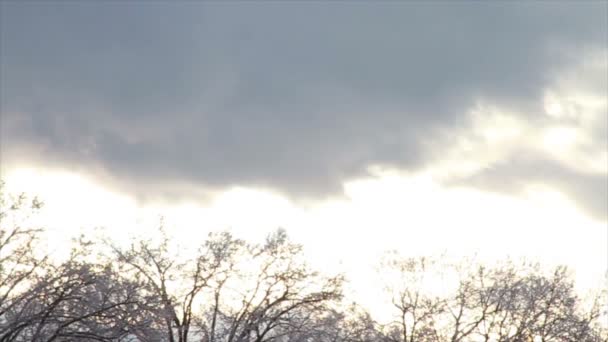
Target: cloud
(588,190)
(565,149)
(295,97)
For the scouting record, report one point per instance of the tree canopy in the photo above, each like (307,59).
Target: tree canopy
(235,291)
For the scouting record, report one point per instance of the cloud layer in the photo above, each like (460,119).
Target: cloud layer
(296,97)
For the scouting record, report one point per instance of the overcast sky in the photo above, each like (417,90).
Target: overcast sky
(477,127)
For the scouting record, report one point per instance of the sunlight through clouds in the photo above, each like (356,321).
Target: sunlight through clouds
(412,214)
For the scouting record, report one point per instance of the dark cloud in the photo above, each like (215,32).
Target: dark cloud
(292,96)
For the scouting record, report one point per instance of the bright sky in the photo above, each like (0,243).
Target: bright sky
(413,215)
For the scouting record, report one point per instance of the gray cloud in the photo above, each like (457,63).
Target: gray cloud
(589,190)
(295,97)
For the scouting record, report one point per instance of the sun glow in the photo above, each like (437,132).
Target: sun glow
(413,214)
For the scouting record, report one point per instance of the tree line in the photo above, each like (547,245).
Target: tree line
(234,291)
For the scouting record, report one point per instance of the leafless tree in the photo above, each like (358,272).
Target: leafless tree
(72,302)
(42,300)
(350,324)
(416,309)
(230,291)
(173,285)
(233,291)
(270,295)
(18,240)
(506,303)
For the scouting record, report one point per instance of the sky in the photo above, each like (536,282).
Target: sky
(466,128)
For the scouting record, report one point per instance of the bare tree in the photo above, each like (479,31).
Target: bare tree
(233,291)
(173,285)
(527,304)
(73,301)
(42,300)
(18,240)
(507,303)
(350,324)
(229,291)
(416,308)
(270,294)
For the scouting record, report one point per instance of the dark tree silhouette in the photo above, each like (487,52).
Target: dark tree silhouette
(234,291)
